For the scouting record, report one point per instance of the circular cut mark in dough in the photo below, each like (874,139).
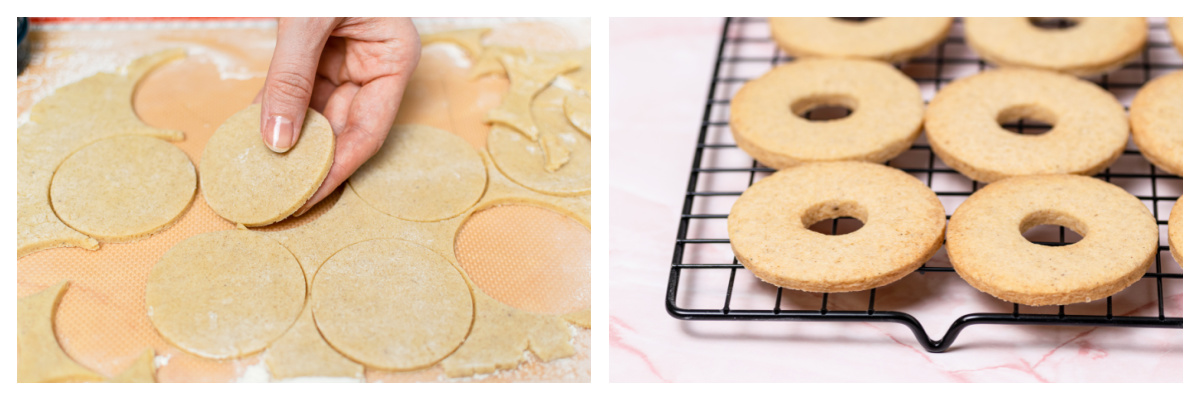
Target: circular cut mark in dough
(528,257)
(391,304)
(245,182)
(422,174)
(123,188)
(579,111)
(225,294)
(523,161)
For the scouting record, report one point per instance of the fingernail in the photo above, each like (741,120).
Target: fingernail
(282,134)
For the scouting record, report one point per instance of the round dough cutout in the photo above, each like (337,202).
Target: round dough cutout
(422,174)
(225,294)
(964,120)
(1090,47)
(247,183)
(903,222)
(984,239)
(391,304)
(892,39)
(886,111)
(123,188)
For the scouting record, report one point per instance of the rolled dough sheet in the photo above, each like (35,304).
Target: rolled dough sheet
(94,108)
(225,294)
(422,174)
(527,75)
(302,352)
(123,188)
(391,304)
(247,183)
(39,358)
(579,111)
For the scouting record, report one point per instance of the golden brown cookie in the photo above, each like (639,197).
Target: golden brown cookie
(1156,117)
(885,39)
(1175,231)
(886,111)
(964,120)
(1091,47)
(123,188)
(225,294)
(985,243)
(903,222)
(392,304)
(1175,26)
(247,183)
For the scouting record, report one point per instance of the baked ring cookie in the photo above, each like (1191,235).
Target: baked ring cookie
(984,239)
(1175,26)
(1091,47)
(886,111)
(884,39)
(964,120)
(903,222)
(1156,117)
(1175,231)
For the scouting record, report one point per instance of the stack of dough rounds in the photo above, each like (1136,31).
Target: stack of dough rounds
(903,222)
(123,188)
(392,304)
(964,119)
(247,183)
(886,113)
(225,294)
(1091,47)
(1175,231)
(984,239)
(885,39)
(422,174)
(1156,117)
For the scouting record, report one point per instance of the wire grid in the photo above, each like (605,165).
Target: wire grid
(747,51)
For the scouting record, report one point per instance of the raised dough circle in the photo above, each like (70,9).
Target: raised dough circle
(392,304)
(245,182)
(225,294)
(422,174)
(123,188)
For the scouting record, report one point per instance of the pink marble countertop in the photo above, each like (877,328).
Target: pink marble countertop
(660,71)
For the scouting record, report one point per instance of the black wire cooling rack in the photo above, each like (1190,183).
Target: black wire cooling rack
(747,50)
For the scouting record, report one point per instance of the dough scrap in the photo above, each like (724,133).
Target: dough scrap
(488,61)
(578,110)
(527,76)
(302,352)
(523,161)
(39,357)
(469,39)
(391,304)
(556,152)
(582,318)
(422,174)
(247,183)
(75,115)
(352,220)
(123,188)
(141,371)
(225,294)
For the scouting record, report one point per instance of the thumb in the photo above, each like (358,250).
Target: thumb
(290,78)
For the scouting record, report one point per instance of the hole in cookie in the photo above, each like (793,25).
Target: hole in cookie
(836,217)
(1052,228)
(824,108)
(855,19)
(527,257)
(1053,23)
(1027,119)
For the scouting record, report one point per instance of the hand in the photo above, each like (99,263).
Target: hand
(352,70)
